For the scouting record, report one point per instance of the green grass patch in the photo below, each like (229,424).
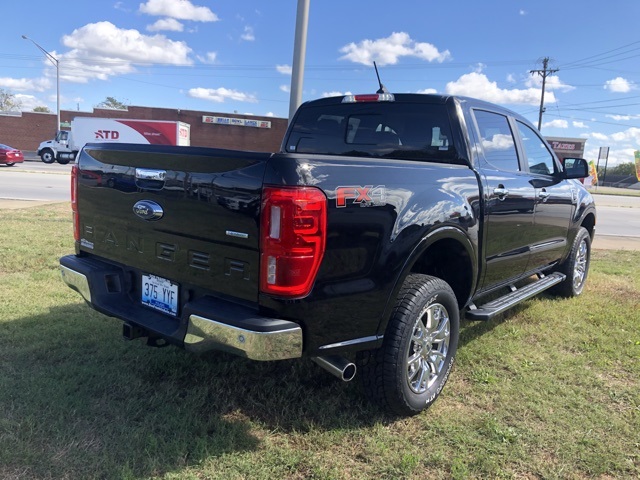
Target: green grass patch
(626,192)
(550,390)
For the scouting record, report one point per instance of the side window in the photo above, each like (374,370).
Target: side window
(497,140)
(538,156)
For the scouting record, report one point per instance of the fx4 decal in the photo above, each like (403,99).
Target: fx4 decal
(366,196)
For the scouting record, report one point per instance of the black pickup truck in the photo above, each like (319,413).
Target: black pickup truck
(383,219)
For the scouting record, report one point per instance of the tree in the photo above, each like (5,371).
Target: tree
(112,103)
(623,169)
(42,109)
(8,101)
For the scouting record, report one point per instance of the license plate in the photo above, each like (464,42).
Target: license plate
(160,293)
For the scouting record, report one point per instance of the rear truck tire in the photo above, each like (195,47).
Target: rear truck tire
(47,156)
(576,266)
(63,161)
(407,374)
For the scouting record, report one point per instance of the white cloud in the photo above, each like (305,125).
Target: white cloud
(169,24)
(619,85)
(479,67)
(221,94)
(25,84)
(29,102)
(427,91)
(478,85)
(335,94)
(557,123)
(285,88)
(579,124)
(121,6)
(629,135)
(104,39)
(623,117)
(388,51)
(522,13)
(597,136)
(180,9)
(209,57)
(248,35)
(499,141)
(284,69)
(616,156)
(553,83)
(100,50)
(622,155)
(269,114)
(76,67)
(511,78)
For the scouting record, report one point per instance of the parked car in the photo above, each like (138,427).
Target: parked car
(9,156)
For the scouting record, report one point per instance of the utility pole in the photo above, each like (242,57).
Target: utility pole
(544,73)
(299,53)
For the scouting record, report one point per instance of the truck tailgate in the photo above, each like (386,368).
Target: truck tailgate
(182,218)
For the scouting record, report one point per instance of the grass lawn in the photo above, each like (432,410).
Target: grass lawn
(551,390)
(627,192)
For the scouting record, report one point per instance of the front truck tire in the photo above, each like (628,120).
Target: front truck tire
(47,156)
(407,374)
(576,266)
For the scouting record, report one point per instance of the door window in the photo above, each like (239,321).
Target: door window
(497,140)
(539,157)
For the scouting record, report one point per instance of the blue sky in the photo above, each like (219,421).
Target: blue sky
(224,56)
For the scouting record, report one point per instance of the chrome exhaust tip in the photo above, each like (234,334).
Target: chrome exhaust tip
(338,366)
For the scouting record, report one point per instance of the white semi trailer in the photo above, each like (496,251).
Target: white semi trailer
(68,143)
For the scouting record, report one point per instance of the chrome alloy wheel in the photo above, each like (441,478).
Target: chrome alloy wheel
(429,347)
(580,266)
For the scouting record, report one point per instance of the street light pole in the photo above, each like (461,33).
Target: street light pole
(56,63)
(299,54)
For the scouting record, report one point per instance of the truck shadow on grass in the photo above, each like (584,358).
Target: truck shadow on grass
(80,402)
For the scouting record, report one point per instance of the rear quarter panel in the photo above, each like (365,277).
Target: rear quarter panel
(379,214)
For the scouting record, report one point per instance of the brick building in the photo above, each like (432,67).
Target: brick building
(26,130)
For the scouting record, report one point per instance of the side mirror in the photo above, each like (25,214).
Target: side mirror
(575,168)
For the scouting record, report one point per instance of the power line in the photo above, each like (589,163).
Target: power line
(576,62)
(590,120)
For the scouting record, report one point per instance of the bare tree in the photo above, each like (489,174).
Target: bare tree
(112,103)
(8,101)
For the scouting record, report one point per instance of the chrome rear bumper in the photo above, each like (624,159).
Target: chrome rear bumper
(77,281)
(205,324)
(206,334)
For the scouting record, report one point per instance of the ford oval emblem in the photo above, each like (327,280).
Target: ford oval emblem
(148,210)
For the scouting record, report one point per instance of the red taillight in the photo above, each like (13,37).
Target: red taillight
(293,235)
(74,202)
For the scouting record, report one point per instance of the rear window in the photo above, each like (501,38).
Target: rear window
(417,131)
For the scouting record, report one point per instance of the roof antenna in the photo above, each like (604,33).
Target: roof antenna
(382,88)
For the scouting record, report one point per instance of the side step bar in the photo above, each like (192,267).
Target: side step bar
(499,305)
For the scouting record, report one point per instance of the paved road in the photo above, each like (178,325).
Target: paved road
(618,224)
(27,184)
(38,166)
